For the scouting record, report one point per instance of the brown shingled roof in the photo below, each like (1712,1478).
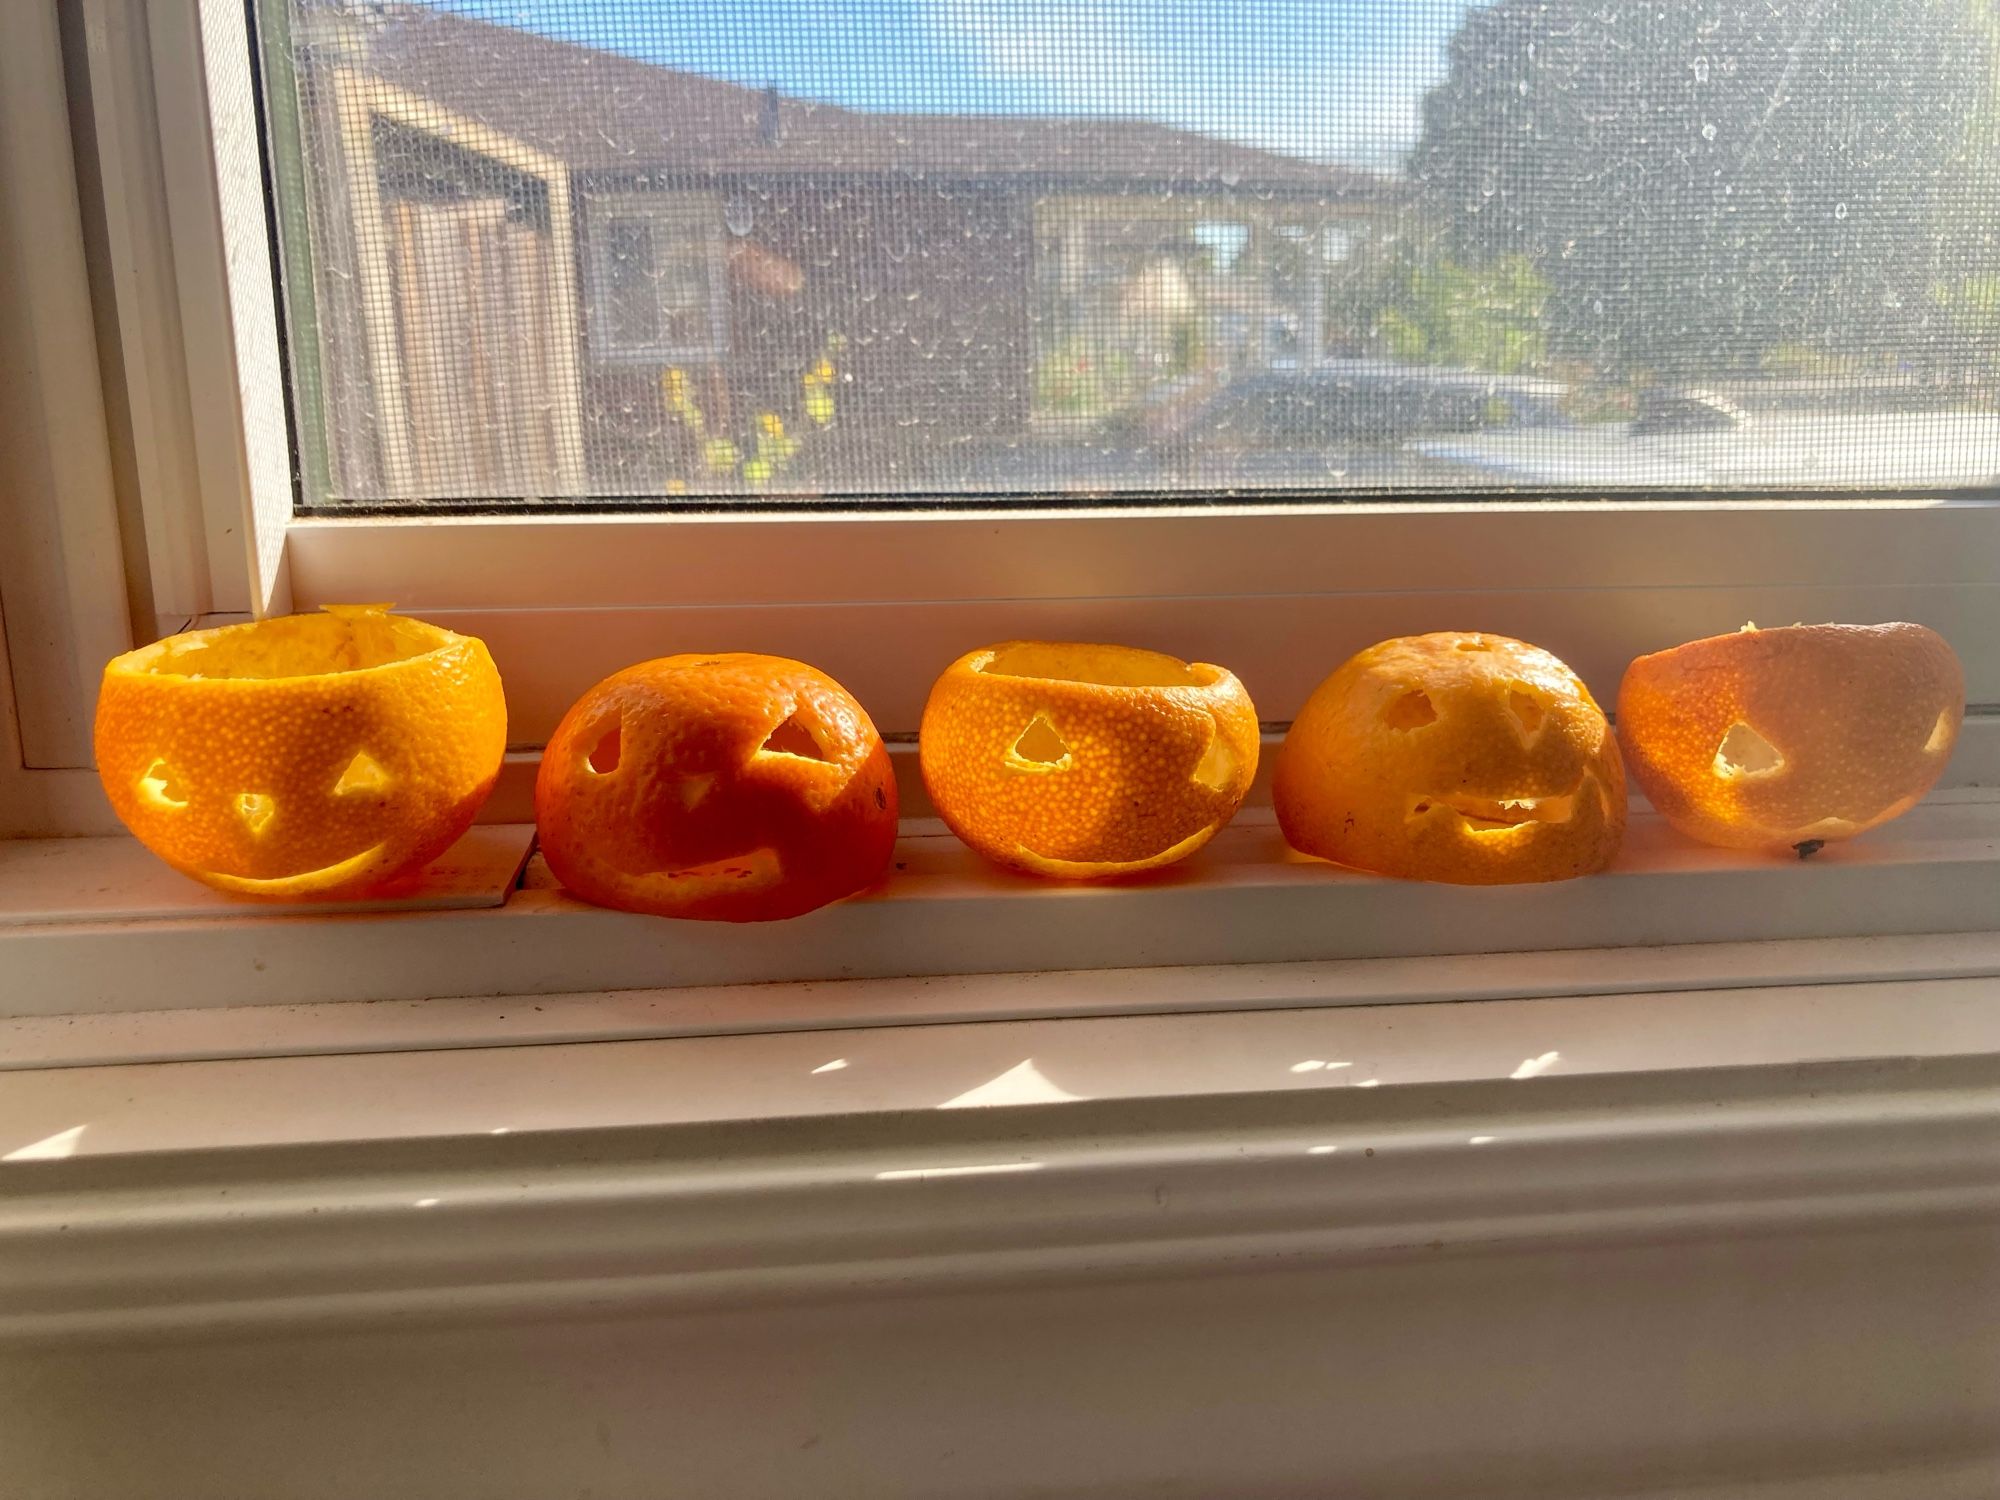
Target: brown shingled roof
(600,111)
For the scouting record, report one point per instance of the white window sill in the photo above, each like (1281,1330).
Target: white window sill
(1243,899)
(616,1178)
(299,1076)
(131,1039)
(168,1034)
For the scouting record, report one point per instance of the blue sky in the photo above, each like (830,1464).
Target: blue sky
(1337,80)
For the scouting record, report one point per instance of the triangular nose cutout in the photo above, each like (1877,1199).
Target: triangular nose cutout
(256,809)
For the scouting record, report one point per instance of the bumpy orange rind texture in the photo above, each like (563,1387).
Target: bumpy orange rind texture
(1768,739)
(1459,757)
(1083,762)
(729,787)
(304,758)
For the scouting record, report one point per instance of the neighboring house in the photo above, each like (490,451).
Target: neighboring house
(541,269)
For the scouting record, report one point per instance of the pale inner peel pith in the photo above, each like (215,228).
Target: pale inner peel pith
(306,883)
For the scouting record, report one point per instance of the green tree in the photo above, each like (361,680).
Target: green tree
(1703,180)
(1477,317)
(1967,292)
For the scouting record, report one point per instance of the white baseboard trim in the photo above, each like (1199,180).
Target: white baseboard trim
(798,1211)
(1759,1282)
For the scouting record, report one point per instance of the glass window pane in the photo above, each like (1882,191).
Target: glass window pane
(630,290)
(610,251)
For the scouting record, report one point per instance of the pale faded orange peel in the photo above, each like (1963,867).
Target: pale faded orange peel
(1800,735)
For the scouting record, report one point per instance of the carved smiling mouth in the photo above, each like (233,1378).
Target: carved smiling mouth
(1500,815)
(757,867)
(1070,869)
(303,884)
(750,871)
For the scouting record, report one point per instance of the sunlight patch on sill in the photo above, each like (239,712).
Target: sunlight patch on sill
(982,1169)
(1024,1083)
(50,1147)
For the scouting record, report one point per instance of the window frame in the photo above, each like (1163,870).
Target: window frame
(883,596)
(64,604)
(1278,594)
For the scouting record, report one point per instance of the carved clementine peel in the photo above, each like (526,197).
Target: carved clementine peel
(734,787)
(1775,738)
(1082,761)
(312,756)
(1466,758)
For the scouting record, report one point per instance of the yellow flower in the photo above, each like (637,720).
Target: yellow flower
(673,390)
(771,423)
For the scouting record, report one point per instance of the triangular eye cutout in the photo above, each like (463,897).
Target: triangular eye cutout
(793,738)
(1745,752)
(1410,710)
(1040,748)
(603,757)
(160,788)
(1218,763)
(362,775)
(1527,711)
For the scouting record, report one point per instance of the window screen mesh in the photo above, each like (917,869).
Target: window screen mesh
(563,251)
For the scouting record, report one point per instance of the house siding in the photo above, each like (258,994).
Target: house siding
(916,292)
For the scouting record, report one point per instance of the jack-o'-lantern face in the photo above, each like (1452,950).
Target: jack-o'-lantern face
(1467,758)
(735,787)
(1768,739)
(1083,761)
(309,757)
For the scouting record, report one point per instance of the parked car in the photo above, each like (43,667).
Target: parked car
(1346,422)
(1660,409)
(1704,440)
(1349,423)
